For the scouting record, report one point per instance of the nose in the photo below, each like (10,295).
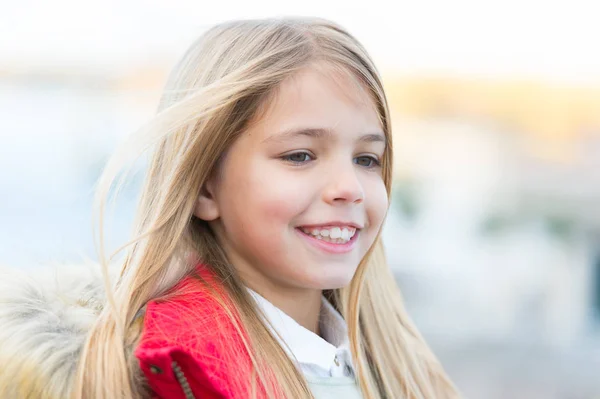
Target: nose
(343,186)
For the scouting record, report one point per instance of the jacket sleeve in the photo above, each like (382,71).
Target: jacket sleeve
(173,374)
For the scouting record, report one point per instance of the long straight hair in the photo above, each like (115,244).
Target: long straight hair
(216,89)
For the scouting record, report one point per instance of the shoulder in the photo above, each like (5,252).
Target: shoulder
(192,310)
(189,333)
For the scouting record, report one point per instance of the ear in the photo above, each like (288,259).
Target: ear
(206,205)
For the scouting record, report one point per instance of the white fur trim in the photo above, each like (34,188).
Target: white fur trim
(45,316)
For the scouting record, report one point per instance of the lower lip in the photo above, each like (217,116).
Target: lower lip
(330,247)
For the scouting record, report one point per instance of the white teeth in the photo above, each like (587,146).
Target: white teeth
(336,232)
(335,235)
(345,234)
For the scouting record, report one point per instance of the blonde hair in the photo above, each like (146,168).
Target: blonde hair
(212,94)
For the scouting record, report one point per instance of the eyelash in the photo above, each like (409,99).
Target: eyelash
(374,161)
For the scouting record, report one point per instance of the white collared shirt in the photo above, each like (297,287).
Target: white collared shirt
(320,357)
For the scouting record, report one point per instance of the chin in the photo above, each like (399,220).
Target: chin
(332,282)
(326,276)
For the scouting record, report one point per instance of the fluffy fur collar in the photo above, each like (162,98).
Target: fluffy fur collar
(44,319)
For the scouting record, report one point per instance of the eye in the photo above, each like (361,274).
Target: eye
(367,161)
(298,157)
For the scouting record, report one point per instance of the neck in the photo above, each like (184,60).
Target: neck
(302,305)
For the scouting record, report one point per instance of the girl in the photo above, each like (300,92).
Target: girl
(256,269)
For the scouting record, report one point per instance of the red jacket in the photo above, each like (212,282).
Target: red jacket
(190,349)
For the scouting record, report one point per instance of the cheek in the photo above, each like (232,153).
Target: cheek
(376,203)
(265,198)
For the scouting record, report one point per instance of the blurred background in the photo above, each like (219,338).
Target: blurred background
(494,231)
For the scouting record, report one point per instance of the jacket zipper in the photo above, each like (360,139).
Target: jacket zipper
(183,382)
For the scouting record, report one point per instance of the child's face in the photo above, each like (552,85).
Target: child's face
(284,191)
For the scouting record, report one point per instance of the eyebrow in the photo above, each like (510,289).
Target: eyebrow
(319,133)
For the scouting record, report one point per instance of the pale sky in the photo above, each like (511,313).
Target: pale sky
(548,39)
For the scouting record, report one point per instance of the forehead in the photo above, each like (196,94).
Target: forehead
(319,96)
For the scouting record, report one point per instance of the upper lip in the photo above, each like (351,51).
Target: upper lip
(332,224)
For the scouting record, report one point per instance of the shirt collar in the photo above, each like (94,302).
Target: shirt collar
(302,344)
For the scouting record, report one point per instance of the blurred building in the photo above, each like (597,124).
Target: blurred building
(503,204)
(494,237)
(497,255)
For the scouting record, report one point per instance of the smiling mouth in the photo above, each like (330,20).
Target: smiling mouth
(334,235)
